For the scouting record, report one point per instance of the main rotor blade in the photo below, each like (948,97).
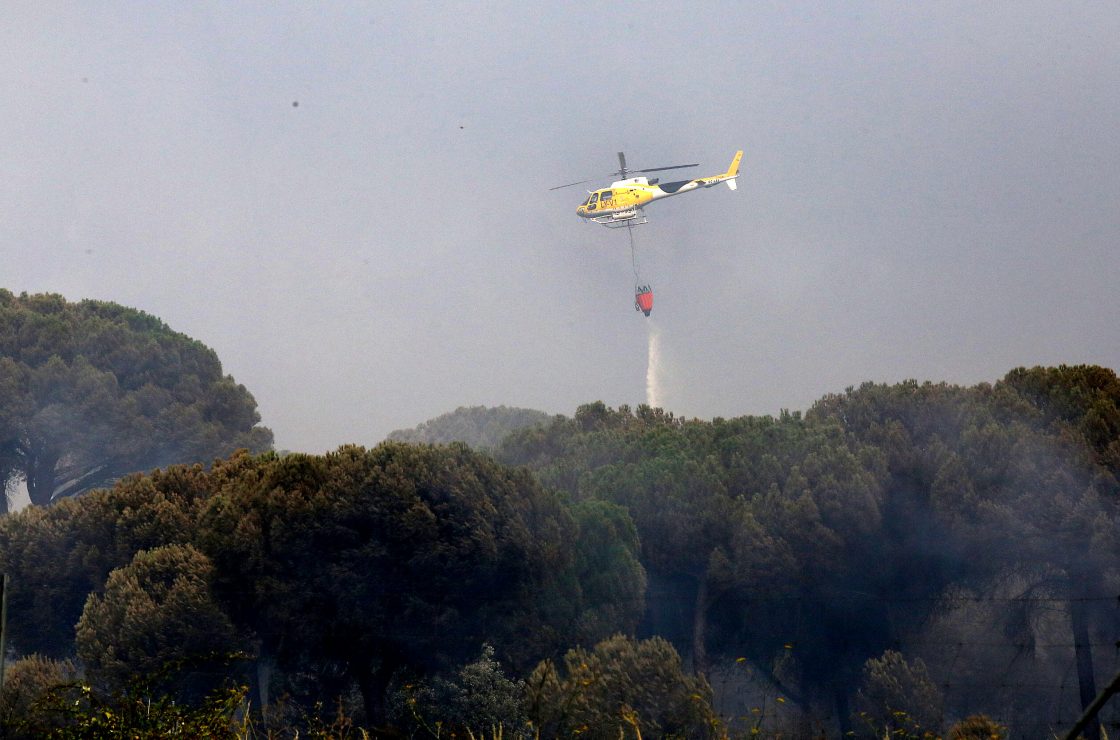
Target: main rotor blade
(624,172)
(569,184)
(671,167)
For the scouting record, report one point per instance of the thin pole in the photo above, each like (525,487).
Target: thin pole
(1091,711)
(3,624)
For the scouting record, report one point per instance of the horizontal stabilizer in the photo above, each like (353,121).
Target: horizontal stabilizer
(731,183)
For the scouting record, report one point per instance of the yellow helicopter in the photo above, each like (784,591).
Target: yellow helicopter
(621,203)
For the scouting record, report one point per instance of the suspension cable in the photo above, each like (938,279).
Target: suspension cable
(633,254)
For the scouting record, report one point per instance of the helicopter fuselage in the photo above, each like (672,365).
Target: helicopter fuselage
(625,198)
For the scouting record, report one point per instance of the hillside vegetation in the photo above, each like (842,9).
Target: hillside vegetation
(897,559)
(479,427)
(91,391)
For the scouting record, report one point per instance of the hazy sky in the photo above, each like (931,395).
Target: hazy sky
(929,191)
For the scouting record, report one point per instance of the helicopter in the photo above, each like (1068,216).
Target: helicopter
(621,204)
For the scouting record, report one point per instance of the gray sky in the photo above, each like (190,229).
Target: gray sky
(929,191)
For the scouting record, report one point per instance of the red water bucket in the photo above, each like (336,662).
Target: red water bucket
(643,299)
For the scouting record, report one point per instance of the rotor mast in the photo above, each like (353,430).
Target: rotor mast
(621,166)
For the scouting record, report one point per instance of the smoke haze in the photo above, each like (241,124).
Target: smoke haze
(927,191)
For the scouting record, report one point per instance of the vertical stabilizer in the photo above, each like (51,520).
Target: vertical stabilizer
(733,170)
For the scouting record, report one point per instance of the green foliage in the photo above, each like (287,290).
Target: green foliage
(804,530)
(600,693)
(482,697)
(896,696)
(977,727)
(611,577)
(78,712)
(350,566)
(91,391)
(157,611)
(1086,398)
(781,508)
(478,427)
(63,708)
(57,556)
(478,700)
(973,461)
(368,562)
(991,485)
(26,682)
(806,545)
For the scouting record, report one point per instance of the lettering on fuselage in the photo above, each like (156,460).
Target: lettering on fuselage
(617,200)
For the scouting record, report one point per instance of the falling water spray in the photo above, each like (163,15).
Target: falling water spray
(653,368)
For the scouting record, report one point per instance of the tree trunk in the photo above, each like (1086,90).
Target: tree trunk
(843,711)
(263,674)
(40,477)
(700,628)
(373,684)
(1083,651)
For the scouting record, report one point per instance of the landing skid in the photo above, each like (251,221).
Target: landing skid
(635,217)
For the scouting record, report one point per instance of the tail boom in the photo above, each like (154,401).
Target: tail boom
(727,177)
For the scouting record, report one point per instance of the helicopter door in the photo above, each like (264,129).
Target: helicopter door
(592,203)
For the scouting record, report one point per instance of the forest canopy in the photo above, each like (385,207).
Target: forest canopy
(897,559)
(90,391)
(479,427)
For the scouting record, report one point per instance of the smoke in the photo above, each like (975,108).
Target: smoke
(653,369)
